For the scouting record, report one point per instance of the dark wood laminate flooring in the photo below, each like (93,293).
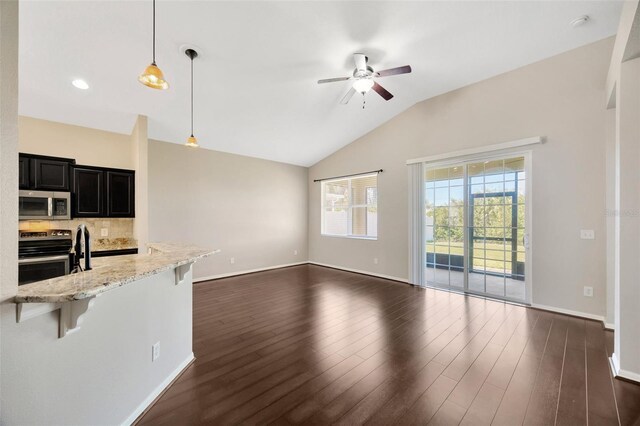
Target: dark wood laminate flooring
(313,345)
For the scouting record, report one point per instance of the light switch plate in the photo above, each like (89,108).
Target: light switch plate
(588,291)
(587,234)
(104,232)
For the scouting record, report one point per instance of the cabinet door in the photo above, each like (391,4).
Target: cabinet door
(23,169)
(50,174)
(120,194)
(88,192)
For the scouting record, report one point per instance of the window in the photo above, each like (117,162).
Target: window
(350,207)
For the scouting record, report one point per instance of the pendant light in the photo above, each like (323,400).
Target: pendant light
(152,75)
(191,140)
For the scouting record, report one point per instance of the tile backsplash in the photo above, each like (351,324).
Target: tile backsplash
(119,231)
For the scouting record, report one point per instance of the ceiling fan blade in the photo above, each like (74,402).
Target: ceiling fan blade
(382,91)
(361,61)
(345,100)
(331,80)
(394,71)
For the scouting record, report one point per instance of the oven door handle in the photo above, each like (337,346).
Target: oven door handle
(43,259)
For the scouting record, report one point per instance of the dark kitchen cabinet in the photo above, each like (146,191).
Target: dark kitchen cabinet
(120,193)
(101,192)
(88,197)
(50,175)
(44,173)
(23,172)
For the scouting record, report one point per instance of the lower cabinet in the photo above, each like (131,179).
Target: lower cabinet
(100,192)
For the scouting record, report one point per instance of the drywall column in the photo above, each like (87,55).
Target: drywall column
(8,172)
(140,156)
(610,205)
(626,357)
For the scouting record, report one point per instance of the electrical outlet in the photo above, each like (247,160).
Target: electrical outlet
(295,252)
(232,260)
(375,260)
(587,234)
(104,232)
(155,351)
(588,291)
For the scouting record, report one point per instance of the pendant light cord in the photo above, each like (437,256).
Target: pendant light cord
(154,31)
(192,95)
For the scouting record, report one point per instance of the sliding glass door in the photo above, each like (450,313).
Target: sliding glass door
(476,228)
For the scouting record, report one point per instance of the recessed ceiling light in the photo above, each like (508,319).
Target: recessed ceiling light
(80,84)
(580,20)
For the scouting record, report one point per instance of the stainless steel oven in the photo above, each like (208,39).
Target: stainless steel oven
(43,255)
(44,205)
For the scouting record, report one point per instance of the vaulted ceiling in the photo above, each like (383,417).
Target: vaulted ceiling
(255,80)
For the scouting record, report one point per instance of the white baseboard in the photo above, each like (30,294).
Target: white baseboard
(158,390)
(569,312)
(248,271)
(610,326)
(618,372)
(359,271)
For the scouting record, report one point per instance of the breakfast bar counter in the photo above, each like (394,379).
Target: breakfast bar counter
(108,273)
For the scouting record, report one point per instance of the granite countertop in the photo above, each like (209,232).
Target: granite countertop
(108,273)
(112,244)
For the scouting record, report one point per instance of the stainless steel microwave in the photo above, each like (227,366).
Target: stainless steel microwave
(44,205)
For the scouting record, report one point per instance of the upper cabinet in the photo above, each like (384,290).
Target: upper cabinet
(100,192)
(95,191)
(50,174)
(88,197)
(120,193)
(23,169)
(44,173)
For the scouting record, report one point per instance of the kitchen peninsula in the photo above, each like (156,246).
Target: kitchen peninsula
(135,337)
(112,272)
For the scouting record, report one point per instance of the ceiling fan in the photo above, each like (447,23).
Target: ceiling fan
(363,78)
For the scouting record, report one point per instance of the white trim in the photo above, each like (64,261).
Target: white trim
(248,271)
(479,150)
(359,271)
(618,372)
(615,364)
(351,237)
(569,312)
(610,326)
(158,390)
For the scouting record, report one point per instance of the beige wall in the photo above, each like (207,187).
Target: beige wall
(8,184)
(561,98)
(88,146)
(254,210)
(140,161)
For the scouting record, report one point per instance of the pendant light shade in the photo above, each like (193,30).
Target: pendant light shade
(191,140)
(152,75)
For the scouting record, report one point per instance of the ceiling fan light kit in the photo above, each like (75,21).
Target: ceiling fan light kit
(364,78)
(363,85)
(152,76)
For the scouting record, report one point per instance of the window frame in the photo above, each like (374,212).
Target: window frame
(350,207)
